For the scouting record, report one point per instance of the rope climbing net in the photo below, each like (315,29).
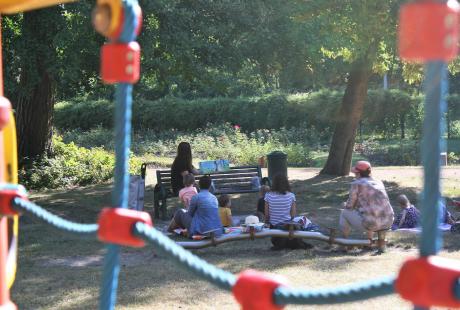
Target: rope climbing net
(428,32)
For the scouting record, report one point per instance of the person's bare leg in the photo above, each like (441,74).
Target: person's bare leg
(346,230)
(370,234)
(344,226)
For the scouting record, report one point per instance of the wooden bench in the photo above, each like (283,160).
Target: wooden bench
(237,180)
(380,242)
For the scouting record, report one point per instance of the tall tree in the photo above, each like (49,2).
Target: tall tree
(35,98)
(44,53)
(209,48)
(351,110)
(359,34)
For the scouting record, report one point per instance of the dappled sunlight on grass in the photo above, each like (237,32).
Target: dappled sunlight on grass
(62,271)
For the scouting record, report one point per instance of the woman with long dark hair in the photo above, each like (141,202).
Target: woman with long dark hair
(181,166)
(280,208)
(280,203)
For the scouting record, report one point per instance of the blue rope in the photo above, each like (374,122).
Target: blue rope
(120,193)
(349,293)
(128,33)
(54,220)
(108,295)
(123,95)
(184,258)
(435,104)
(282,295)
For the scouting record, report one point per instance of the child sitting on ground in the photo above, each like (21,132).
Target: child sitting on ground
(186,193)
(446,216)
(225,213)
(409,217)
(260,213)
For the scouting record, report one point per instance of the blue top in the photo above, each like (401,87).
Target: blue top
(411,218)
(445,217)
(205,215)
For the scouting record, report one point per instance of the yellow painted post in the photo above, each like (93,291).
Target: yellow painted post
(16,6)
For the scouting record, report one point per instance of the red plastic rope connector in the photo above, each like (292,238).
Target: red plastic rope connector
(116,226)
(120,63)
(429,281)
(254,290)
(428,30)
(7,193)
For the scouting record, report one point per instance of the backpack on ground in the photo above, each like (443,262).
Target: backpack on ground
(137,190)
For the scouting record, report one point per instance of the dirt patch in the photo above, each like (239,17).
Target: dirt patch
(79,261)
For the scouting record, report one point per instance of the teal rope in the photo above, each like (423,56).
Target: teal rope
(436,89)
(184,258)
(430,244)
(108,295)
(282,295)
(350,293)
(54,220)
(457,288)
(123,112)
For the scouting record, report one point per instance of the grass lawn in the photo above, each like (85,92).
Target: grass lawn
(61,271)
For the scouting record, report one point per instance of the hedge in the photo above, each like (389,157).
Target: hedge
(273,111)
(386,112)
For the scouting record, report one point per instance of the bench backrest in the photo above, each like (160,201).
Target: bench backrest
(235,180)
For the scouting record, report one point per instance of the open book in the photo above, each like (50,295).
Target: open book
(211,166)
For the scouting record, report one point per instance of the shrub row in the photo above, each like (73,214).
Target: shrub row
(274,111)
(387,113)
(83,158)
(71,165)
(222,141)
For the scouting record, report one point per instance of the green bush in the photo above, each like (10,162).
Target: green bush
(399,153)
(71,165)
(270,112)
(392,113)
(388,114)
(224,141)
(453,158)
(242,148)
(84,114)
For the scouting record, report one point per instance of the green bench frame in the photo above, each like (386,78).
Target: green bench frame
(237,180)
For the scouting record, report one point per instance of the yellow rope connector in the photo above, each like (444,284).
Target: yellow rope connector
(108,17)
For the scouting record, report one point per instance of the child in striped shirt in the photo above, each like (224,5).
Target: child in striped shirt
(280,207)
(280,203)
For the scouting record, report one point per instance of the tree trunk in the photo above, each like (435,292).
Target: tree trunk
(402,125)
(448,125)
(35,99)
(343,140)
(34,115)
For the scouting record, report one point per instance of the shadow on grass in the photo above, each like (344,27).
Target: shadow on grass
(48,287)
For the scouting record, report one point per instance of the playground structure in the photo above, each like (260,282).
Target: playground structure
(428,33)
